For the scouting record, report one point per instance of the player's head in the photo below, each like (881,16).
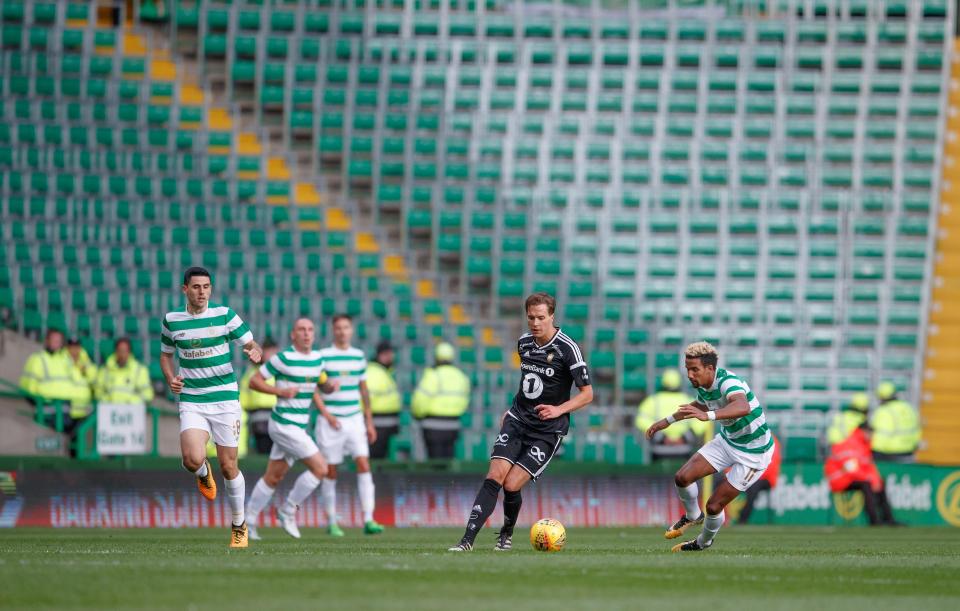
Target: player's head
(539,308)
(700,359)
(384,354)
(53,342)
(302,334)
(670,380)
(121,351)
(342,329)
(197,287)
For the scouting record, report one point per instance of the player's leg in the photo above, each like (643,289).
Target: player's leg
(368,495)
(721,497)
(506,451)
(745,470)
(357,445)
(303,487)
(516,479)
(485,502)
(263,491)
(225,429)
(536,452)
(752,493)
(331,444)
(194,432)
(696,468)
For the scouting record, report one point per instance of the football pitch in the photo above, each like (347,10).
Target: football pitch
(601,568)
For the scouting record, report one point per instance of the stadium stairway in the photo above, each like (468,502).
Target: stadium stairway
(337,213)
(941,429)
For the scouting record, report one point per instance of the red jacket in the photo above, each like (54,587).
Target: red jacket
(851,461)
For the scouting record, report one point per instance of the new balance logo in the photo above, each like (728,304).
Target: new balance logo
(538,454)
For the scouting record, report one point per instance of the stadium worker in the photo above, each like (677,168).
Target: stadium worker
(678,440)
(51,375)
(850,416)
(298,372)
(123,379)
(744,444)
(258,405)
(441,397)
(850,468)
(384,399)
(534,426)
(206,388)
(895,425)
(346,425)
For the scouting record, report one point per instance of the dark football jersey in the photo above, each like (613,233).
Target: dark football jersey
(546,375)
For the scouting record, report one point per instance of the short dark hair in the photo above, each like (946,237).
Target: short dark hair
(541,299)
(268,344)
(194,271)
(52,330)
(384,346)
(341,316)
(122,340)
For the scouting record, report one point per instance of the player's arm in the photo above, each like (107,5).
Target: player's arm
(259,384)
(581,400)
(322,408)
(239,333)
(253,351)
(736,407)
(685,411)
(581,377)
(367,413)
(174,381)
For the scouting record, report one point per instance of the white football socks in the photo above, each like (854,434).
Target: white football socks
(711,526)
(236,490)
(328,489)
(259,499)
(691,502)
(201,472)
(367,494)
(302,488)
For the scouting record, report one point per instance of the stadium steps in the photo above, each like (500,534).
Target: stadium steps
(344,214)
(941,429)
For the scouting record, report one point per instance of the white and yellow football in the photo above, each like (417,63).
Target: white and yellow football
(548,535)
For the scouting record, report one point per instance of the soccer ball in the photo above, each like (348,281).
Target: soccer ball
(548,535)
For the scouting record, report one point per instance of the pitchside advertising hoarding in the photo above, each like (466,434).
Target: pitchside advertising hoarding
(920,495)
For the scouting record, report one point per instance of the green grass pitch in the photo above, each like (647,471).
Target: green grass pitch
(602,568)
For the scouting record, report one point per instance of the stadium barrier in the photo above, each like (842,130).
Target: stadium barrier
(114,496)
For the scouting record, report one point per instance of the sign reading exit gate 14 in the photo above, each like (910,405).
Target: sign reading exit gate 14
(121,429)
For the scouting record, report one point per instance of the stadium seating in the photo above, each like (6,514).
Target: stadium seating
(769,183)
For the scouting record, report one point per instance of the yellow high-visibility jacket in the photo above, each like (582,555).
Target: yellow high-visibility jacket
(844,423)
(896,428)
(129,384)
(662,404)
(443,391)
(384,396)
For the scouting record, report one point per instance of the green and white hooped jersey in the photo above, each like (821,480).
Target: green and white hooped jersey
(349,367)
(202,345)
(292,368)
(747,434)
